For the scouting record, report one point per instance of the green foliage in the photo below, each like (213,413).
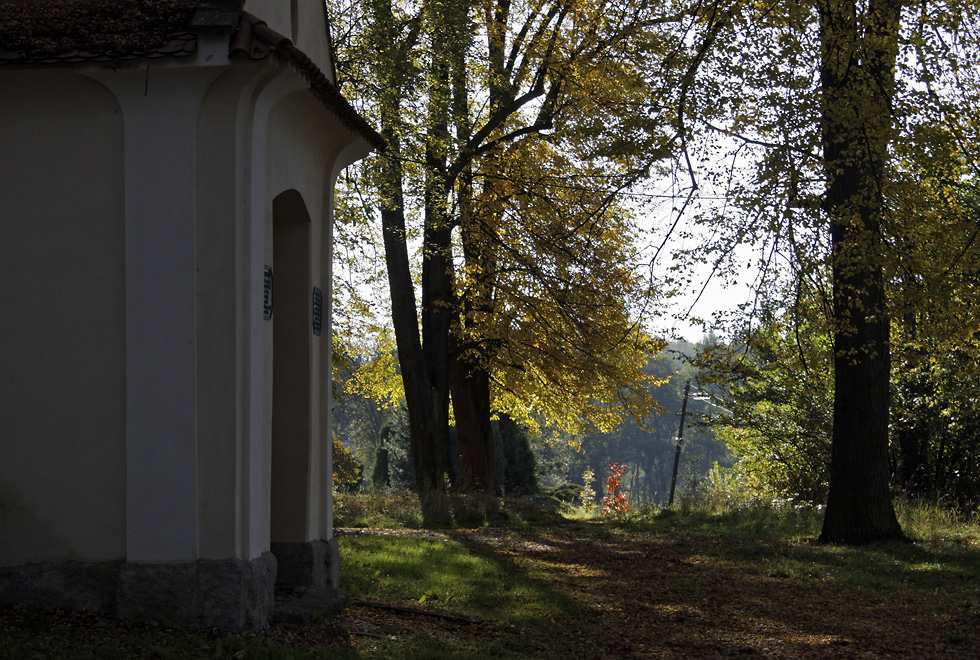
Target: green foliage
(780,393)
(936,428)
(395,443)
(347,470)
(516,462)
(587,494)
(390,509)
(836,134)
(733,489)
(378,509)
(358,417)
(935,392)
(564,492)
(381,474)
(645,446)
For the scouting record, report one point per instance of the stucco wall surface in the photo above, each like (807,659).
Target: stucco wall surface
(62,481)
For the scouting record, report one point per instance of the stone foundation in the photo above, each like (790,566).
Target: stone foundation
(307,581)
(304,565)
(227,594)
(69,585)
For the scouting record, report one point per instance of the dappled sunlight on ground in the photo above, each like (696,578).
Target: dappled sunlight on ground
(642,595)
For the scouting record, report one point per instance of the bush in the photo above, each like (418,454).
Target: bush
(378,510)
(348,473)
(565,492)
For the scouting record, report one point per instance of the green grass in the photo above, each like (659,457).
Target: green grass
(756,542)
(425,571)
(781,542)
(401,510)
(451,576)
(379,510)
(938,526)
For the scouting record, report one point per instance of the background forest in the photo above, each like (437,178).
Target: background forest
(547,461)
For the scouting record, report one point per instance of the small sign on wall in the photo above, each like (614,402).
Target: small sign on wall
(317,310)
(267,293)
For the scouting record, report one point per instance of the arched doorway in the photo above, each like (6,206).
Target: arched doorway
(291,372)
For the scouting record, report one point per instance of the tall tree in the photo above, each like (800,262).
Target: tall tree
(422,357)
(802,103)
(511,127)
(859,48)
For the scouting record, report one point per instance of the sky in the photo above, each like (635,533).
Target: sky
(665,222)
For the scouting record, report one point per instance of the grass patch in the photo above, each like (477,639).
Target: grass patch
(401,510)
(450,574)
(418,570)
(931,523)
(378,510)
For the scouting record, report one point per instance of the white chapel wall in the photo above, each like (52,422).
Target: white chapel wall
(62,481)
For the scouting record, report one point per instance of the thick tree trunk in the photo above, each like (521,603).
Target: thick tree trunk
(423,366)
(857,77)
(471,407)
(469,380)
(437,257)
(426,397)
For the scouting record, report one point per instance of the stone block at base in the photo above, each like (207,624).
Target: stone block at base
(309,564)
(65,585)
(228,594)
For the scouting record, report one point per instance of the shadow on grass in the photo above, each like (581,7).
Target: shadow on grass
(471,574)
(685,587)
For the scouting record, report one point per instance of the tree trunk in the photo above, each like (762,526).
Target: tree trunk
(426,391)
(857,77)
(471,406)
(470,380)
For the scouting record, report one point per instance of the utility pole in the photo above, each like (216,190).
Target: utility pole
(680,443)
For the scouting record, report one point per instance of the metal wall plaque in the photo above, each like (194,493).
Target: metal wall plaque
(267,293)
(317,310)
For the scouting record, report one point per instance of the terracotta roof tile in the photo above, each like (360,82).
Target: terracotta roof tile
(57,31)
(177,45)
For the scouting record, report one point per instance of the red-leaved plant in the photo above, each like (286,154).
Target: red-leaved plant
(615,501)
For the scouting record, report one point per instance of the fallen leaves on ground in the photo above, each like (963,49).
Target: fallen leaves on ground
(646,596)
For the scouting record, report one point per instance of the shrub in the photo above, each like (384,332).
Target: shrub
(348,473)
(615,501)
